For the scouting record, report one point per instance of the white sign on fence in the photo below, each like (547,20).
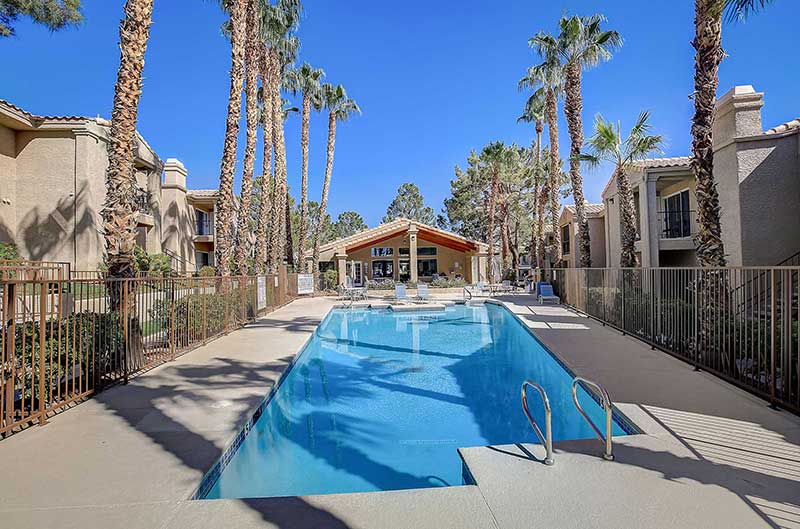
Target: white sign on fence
(262,292)
(305,284)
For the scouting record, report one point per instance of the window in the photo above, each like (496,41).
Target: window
(404,269)
(378,251)
(382,269)
(427,250)
(426,267)
(565,239)
(203,222)
(676,218)
(404,251)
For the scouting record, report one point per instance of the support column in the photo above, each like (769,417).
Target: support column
(412,252)
(648,221)
(341,265)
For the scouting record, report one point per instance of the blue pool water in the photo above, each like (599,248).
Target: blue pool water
(381,401)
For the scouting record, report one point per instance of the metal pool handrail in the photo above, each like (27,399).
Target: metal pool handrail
(547,438)
(608,455)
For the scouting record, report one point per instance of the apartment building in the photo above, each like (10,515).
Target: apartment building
(758,179)
(52,188)
(570,249)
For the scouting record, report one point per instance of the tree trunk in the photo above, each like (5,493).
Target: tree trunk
(119,209)
(554,183)
(573,107)
(627,210)
(326,184)
(303,228)
(492,212)
(537,231)
(504,238)
(708,44)
(289,241)
(278,241)
(224,216)
(244,232)
(266,176)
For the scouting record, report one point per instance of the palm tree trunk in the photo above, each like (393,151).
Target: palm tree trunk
(554,183)
(278,249)
(244,232)
(326,184)
(224,217)
(573,106)
(492,213)
(266,176)
(708,44)
(537,234)
(289,241)
(303,228)
(627,210)
(504,236)
(119,210)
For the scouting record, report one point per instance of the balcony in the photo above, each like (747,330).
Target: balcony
(676,229)
(144,212)
(204,230)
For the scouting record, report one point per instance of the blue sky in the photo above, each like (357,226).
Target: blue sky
(434,80)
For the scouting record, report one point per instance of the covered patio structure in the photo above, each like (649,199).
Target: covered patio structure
(405,250)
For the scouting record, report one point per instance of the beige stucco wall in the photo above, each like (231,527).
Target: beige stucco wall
(177,214)
(597,240)
(8,184)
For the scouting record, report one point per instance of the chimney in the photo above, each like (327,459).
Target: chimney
(174,175)
(737,114)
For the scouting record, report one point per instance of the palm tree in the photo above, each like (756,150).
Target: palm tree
(534,112)
(119,208)
(581,45)
(306,80)
(494,157)
(282,54)
(252,60)
(265,204)
(708,45)
(237,9)
(606,144)
(340,108)
(549,75)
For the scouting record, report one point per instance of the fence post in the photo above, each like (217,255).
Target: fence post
(172,333)
(696,284)
(773,301)
(42,330)
(203,297)
(122,285)
(622,308)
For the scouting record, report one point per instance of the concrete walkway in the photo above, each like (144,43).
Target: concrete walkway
(712,456)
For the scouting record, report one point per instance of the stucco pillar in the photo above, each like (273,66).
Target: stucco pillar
(648,221)
(412,252)
(341,266)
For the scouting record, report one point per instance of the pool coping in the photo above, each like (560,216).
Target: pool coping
(213,474)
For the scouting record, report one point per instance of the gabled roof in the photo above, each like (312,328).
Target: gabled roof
(398,227)
(593,211)
(653,163)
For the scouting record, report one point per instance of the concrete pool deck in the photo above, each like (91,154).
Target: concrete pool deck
(711,455)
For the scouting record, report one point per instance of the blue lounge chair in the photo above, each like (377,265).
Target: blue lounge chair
(544,291)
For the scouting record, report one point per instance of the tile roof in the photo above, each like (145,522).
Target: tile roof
(675,161)
(592,210)
(783,127)
(34,117)
(203,192)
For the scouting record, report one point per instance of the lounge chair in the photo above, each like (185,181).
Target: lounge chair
(544,292)
(400,293)
(423,294)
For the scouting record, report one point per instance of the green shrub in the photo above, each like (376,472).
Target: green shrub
(445,282)
(207,271)
(331,279)
(9,251)
(160,265)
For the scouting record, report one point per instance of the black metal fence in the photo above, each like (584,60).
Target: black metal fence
(738,323)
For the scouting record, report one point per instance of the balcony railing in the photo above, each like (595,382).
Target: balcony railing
(142,200)
(204,227)
(676,224)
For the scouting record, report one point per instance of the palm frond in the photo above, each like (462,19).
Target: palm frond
(737,10)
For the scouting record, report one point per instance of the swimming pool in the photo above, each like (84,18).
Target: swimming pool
(380,400)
